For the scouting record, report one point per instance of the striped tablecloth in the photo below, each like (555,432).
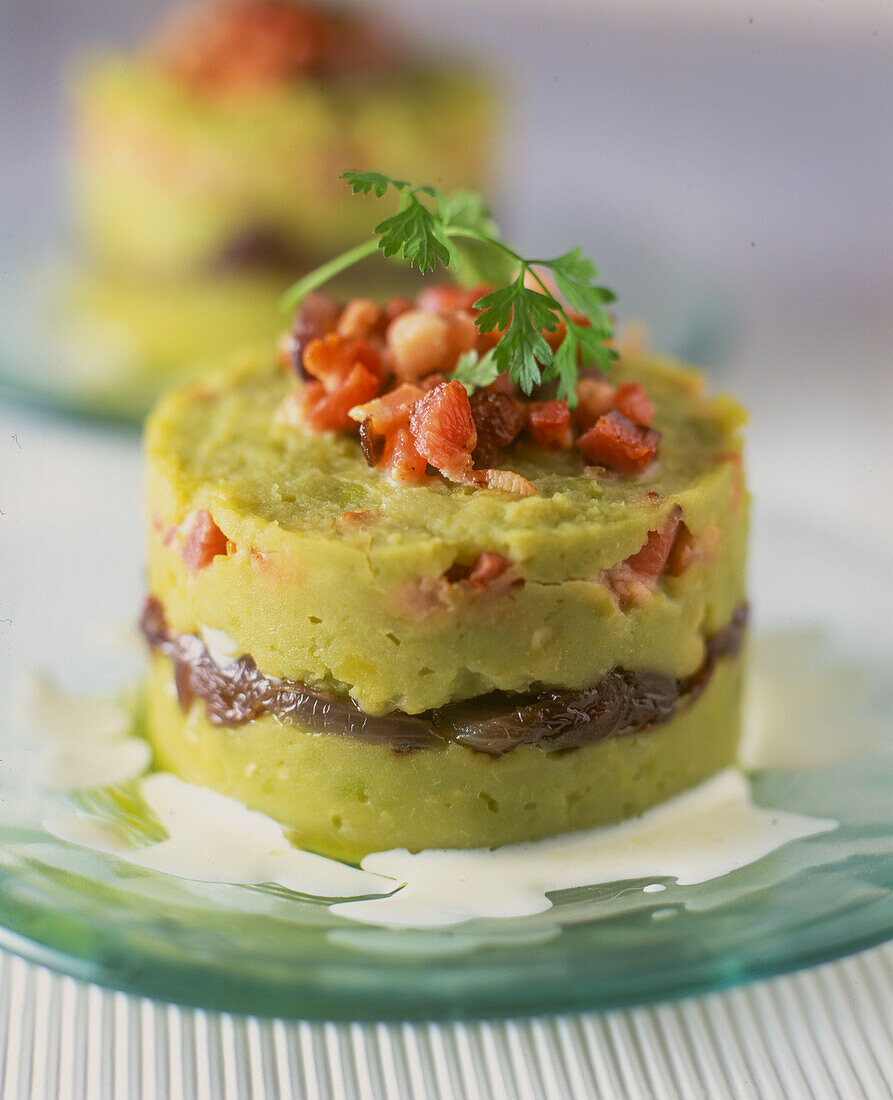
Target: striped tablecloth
(824,1033)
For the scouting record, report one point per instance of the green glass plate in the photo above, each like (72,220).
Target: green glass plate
(265,951)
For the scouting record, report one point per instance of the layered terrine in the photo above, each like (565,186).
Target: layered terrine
(204,167)
(393,609)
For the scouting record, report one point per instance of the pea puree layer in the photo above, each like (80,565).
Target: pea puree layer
(345,798)
(336,578)
(165,176)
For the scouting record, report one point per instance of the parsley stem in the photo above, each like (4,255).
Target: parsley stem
(525,265)
(321,275)
(473,235)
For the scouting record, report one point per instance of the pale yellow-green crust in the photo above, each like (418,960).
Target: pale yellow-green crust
(166,176)
(359,604)
(343,797)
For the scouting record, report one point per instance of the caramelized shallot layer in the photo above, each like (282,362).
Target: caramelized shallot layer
(623,702)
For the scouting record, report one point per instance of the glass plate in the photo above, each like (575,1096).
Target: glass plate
(261,950)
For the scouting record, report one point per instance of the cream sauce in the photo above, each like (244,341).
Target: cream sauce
(83,742)
(703,834)
(700,835)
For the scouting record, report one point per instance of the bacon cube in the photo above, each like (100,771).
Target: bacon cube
(402,462)
(595,397)
(616,443)
(635,404)
(389,411)
(443,429)
(550,424)
(331,411)
(332,358)
(204,540)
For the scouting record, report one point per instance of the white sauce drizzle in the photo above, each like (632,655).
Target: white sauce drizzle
(700,835)
(84,743)
(212,838)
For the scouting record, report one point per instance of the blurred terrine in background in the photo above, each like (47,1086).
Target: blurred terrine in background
(205,169)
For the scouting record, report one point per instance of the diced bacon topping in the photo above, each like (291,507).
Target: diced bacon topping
(331,411)
(443,430)
(233,45)
(431,381)
(632,580)
(402,463)
(448,297)
(394,363)
(616,443)
(332,358)
(389,411)
(505,481)
(595,397)
(498,420)
(550,424)
(360,319)
(689,549)
(315,319)
(395,306)
(203,542)
(420,342)
(635,404)
(502,384)
(381,418)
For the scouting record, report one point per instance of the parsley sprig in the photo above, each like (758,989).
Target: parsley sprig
(458,232)
(475,371)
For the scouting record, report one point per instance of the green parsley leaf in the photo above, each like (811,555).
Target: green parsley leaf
(592,348)
(574,275)
(474,371)
(361,183)
(565,368)
(415,235)
(523,313)
(574,265)
(475,260)
(458,231)
(467,210)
